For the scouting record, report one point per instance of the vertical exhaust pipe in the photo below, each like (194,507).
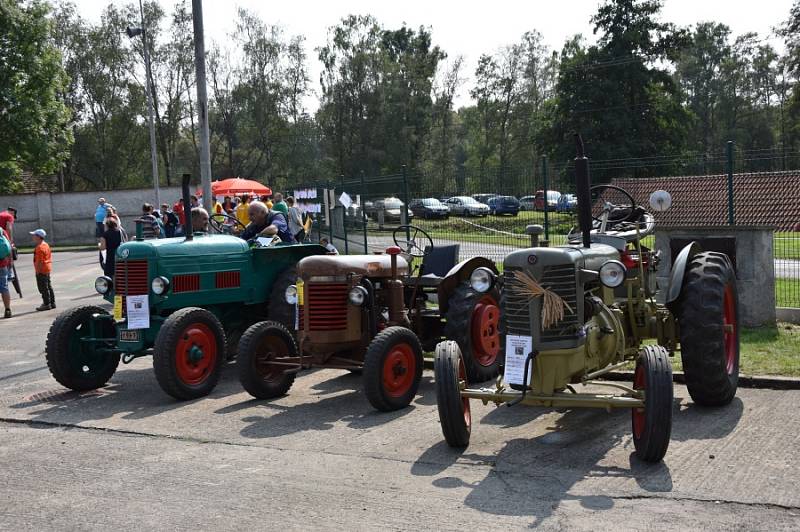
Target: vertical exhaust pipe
(582,186)
(187,207)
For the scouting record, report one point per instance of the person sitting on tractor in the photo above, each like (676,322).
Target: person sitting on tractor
(265,222)
(199,220)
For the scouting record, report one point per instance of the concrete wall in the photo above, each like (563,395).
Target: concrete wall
(755,267)
(68,217)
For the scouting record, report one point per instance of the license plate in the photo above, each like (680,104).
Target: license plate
(129,336)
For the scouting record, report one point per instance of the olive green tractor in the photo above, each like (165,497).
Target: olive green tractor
(571,314)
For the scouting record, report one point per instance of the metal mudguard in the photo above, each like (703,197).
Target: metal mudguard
(458,274)
(678,273)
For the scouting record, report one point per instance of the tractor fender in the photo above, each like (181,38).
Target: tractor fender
(678,272)
(458,274)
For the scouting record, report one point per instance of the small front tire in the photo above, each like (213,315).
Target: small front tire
(455,415)
(262,344)
(652,425)
(392,369)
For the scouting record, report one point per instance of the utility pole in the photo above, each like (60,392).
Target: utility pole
(202,101)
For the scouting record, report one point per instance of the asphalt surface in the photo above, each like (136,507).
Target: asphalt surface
(129,457)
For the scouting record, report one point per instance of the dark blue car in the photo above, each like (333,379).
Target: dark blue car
(504,205)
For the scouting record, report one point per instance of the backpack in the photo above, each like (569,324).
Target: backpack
(5,246)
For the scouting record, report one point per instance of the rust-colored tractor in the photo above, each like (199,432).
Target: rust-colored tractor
(376,315)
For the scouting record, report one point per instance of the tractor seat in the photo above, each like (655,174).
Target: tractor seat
(438,261)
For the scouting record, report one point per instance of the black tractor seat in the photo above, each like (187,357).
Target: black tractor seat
(437,262)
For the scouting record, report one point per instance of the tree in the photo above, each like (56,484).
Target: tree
(34,132)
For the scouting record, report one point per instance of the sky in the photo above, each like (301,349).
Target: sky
(467,27)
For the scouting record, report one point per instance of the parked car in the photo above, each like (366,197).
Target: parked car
(391,208)
(552,200)
(526,203)
(483,198)
(504,205)
(466,206)
(567,203)
(429,208)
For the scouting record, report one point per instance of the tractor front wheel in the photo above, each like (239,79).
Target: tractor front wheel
(188,354)
(454,411)
(473,321)
(392,369)
(709,329)
(652,425)
(74,362)
(261,346)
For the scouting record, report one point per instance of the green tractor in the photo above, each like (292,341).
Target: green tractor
(571,314)
(184,300)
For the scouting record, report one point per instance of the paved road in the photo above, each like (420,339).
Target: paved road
(130,458)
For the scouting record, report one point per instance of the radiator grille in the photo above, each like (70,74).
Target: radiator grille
(130,279)
(516,306)
(227,279)
(561,280)
(326,305)
(189,282)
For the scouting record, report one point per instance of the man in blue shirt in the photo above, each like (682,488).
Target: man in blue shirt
(100,217)
(264,222)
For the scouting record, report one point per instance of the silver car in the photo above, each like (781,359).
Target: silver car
(466,206)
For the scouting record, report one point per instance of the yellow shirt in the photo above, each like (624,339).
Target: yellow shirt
(218,210)
(241,213)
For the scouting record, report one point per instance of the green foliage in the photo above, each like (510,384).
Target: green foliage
(33,133)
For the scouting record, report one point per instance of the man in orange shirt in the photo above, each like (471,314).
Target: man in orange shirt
(43,264)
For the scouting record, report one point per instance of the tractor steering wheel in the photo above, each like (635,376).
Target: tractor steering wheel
(223,229)
(410,245)
(612,205)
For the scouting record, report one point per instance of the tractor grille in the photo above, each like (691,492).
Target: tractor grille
(561,280)
(130,279)
(516,307)
(326,305)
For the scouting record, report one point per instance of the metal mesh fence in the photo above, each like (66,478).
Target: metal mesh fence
(486,210)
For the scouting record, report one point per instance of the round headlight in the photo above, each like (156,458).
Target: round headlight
(612,273)
(290,294)
(103,285)
(357,295)
(159,285)
(481,279)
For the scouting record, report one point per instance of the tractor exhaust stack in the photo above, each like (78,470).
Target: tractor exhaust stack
(582,186)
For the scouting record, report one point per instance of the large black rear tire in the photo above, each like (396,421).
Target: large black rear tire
(261,344)
(188,353)
(392,369)
(709,329)
(279,310)
(473,321)
(76,364)
(652,425)
(455,415)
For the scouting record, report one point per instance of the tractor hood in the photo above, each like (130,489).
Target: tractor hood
(338,265)
(201,245)
(538,258)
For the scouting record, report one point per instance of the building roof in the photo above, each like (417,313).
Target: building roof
(32,183)
(768,198)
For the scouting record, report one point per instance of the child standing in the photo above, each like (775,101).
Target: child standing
(43,264)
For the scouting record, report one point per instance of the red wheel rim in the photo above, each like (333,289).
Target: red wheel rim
(462,376)
(196,354)
(485,332)
(638,414)
(399,370)
(270,348)
(729,328)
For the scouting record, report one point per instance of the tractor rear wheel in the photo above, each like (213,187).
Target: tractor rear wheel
(76,364)
(473,321)
(279,310)
(392,369)
(709,329)
(455,415)
(189,352)
(652,425)
(261,345)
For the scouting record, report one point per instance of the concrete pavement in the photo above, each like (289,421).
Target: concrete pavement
(129,457)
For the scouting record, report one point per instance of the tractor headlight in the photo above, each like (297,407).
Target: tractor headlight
(357,295)
(612,273)
(481,280)
(159,285)
(290,295)
(103,285)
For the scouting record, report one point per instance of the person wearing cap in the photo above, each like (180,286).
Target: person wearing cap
(7,219)
(5,265)
(43,265)
(100,215)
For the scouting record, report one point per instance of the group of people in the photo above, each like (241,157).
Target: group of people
(42,262)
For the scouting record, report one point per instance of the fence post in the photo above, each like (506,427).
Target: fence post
(344,219)
(364,212)
(404,215)
(546,207)
(331,201)
(731,214)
